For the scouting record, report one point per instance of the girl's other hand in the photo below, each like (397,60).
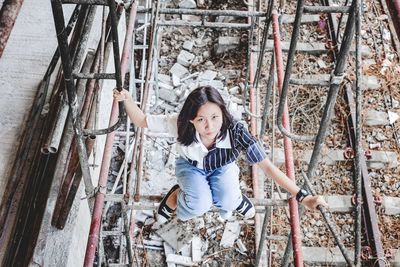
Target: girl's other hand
(121,96)
(312,202)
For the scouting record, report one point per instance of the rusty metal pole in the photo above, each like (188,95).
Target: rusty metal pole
(105,165)
(8,15)
(289,164)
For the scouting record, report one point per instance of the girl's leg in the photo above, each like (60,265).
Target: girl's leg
(194,198)
(225,189)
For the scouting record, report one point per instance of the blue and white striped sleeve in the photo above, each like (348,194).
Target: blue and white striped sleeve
(254,152)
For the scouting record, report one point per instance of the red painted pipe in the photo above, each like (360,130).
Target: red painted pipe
(105,164)
(396,5)
(293,207)
(8,15)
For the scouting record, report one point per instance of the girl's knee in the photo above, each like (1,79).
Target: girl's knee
(227,203)
(199,206)
(190,207)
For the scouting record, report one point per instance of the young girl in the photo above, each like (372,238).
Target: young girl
(209,141)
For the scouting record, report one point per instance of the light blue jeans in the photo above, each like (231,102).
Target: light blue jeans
(201,189)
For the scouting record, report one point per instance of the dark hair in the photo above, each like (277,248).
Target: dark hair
(197,98)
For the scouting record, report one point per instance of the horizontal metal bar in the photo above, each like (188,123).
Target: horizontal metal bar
(309,82)
(86,2)
(140,46)
(256,202)
(206,24)
(115,232)
(326,9)
(108,76)
(206,12)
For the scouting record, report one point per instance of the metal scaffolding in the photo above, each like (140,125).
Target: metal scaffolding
(83,74)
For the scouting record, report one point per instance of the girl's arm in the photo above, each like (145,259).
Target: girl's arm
(311,202)
(134,112)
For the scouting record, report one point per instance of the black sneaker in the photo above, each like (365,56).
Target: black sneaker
(164,213)
(246,208)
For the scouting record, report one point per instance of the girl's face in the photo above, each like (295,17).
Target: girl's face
(208,121)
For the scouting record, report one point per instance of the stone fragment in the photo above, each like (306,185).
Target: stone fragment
(175,80)
(167,95)
(231,233)
(393,117)
(216,84)
(226,43)
(179,70)
(164,78)
(188,45)
(391,205)
(165,86)
(380,137)
(321,64)
(376,118)
(208,75)
(242,248)
(191,18)
(187,4)
(382,159)
(234,90)
(141,216)
(370,82)
(225,19)
(154,243)
(185,58)
(181,260)
(339,203)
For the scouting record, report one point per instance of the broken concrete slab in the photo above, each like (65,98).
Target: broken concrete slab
(164,78)
(176,234)
(304,19)
(165,86)
(382,159)
(214,83)
(169,250)
(188,45)
(191,18)
(320,255)
(339,203)
(179,71)
(185,58)
(391,205)
(231,233)
(370,82)
(313,48)
(196,249)
(226,43)
(181,260)
(376,118)
(187,4)
(207,75)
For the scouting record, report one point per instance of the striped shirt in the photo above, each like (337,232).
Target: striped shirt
(224,151)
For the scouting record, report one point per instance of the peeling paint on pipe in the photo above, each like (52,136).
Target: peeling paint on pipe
(8,15)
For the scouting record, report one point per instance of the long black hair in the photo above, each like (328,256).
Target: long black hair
(197,98)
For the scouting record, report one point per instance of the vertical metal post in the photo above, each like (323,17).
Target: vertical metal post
(336,79)
(62,36)
(289,164)
(358,144)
